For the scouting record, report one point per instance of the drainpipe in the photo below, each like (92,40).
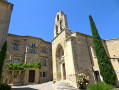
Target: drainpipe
(26,52)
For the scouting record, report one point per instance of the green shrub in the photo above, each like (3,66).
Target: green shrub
(100,86)
(2,57)
(5,87)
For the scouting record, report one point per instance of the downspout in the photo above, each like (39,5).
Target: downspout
(26,52)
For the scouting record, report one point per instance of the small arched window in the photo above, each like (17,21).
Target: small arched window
(56,30)
(61,25)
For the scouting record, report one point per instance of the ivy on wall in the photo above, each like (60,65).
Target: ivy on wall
(20,66)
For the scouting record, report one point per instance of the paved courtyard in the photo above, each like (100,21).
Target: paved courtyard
(43,86)
(46,86)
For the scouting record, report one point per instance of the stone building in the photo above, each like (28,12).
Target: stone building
(69,53)
(27,49)
(5,15)
(73,53)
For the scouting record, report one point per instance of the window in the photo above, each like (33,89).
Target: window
(33,51)
(15,75)
(61,25)
(33,45)
(44,74)
(15,46)
(43,62)
(15,61)
(30,51)
(56,30)
(58,17)
(44,50)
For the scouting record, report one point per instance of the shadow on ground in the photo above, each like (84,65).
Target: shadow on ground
(27,88)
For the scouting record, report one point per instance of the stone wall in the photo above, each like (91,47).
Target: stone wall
(21,47)
(5,15)
(113,49)
(63,40)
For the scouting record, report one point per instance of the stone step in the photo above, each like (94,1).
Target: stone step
(62,85)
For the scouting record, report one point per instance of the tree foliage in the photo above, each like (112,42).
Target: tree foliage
(20,66)
(2,57)
(106,68)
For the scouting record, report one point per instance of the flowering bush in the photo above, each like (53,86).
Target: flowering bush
(82,80)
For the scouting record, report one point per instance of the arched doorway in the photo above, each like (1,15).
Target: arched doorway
(60,62)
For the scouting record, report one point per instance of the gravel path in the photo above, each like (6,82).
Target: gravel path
(43,86)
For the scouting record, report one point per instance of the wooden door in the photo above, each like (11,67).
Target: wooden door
(31,75)
(64,71)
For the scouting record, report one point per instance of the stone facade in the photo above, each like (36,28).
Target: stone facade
(5,15)
(69,53)
(73,53)
(113,50)
(27,49)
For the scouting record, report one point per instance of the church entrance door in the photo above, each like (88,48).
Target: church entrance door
(64,72)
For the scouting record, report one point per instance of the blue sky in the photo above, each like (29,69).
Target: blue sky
(37,17)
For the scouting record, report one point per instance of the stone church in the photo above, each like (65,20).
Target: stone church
(69,53)
(73,53)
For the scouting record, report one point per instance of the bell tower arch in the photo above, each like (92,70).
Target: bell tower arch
(60,23)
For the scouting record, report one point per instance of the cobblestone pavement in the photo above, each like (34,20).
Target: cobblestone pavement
(43,86)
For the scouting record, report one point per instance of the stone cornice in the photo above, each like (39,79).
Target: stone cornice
(78,33)
(88,36)
(57,35)
(28,37)
(60,33)
(110,40)
(70,38)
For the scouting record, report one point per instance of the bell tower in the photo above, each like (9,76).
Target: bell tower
(60,23)
(5,15)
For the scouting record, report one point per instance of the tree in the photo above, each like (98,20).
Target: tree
(106,68)
(2,57)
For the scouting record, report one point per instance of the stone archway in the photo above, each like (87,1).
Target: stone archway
(60,63)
